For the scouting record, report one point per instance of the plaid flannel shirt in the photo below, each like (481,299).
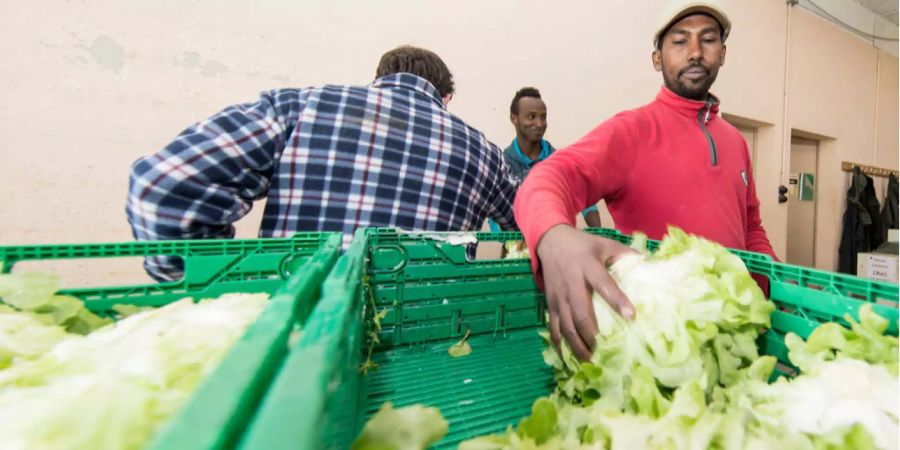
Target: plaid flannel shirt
(332,158)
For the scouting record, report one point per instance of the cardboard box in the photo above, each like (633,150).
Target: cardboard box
(877,266)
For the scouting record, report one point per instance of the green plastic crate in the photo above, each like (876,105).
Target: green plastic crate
(433,295)
(290,269)
(318,384)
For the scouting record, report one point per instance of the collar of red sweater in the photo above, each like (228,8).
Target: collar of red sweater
(688,107)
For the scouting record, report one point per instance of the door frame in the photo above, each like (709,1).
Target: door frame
(815,225)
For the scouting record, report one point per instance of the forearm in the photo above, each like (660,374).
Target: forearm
(208,177)
(575,177)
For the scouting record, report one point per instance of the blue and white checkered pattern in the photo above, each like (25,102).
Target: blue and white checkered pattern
(333,158)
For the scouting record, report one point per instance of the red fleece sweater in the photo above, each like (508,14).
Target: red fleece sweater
(673,161)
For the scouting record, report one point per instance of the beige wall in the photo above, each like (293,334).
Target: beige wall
(833,90)
(886,117)
(87,87)
(750,86)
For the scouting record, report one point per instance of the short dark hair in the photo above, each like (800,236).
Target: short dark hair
(524,92)
(419,62)
(662,35)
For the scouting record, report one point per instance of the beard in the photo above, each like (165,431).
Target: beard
(690,90)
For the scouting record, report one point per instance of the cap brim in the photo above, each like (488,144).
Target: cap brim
(715,13)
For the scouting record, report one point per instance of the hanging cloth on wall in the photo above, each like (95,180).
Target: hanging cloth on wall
(863,226)
(876,231)
(889,212)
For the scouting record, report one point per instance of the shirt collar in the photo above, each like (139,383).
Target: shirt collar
(409,81)
(687,106)
(544,154)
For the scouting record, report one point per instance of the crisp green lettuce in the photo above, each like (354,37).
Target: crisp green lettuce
(864,340)
(114,387)
(35,294)
(847,391)
(25,337)
(414,427)
(698,314)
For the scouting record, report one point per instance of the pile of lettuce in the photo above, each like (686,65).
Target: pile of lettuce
(686,372)
(71,379)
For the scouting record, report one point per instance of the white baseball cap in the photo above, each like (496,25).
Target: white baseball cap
(675,10)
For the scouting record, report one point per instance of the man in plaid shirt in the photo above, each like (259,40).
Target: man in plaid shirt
(332,158)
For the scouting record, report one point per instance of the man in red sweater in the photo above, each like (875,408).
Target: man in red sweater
(673,161)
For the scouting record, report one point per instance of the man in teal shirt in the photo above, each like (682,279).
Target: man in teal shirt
(528,114)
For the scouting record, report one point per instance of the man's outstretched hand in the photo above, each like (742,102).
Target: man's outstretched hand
(574,264)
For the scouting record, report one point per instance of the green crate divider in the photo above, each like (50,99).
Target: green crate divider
(314,395)
(432,292)
(291,269)
(433,295)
